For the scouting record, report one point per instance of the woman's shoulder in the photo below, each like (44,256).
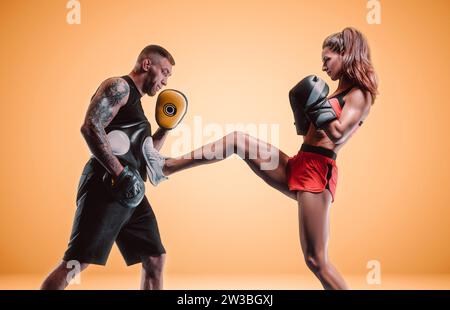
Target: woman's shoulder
(358,96)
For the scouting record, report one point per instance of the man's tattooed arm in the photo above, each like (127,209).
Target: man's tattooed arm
(109,98)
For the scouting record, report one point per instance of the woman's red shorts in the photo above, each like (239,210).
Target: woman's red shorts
(313,170)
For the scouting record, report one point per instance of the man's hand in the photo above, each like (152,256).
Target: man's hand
(171,107)
(159,137)
(105,104)
(128,188)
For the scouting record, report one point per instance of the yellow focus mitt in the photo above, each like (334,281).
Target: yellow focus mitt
(171,107)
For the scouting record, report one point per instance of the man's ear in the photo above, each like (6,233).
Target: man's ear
(146,64)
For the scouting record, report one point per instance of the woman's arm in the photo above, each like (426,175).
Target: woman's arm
(357,105)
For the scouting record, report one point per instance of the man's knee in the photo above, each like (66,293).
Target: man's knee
(72,266)
(153,265)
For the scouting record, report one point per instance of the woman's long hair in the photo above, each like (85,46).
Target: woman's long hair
(357,66)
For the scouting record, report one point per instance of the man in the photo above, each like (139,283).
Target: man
(111,206)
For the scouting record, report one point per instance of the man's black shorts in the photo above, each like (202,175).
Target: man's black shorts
(99,221)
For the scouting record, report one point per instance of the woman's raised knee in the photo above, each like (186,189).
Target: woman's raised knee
(237,140)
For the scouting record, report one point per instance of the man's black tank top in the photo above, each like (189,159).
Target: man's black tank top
(131,120)
(132,111)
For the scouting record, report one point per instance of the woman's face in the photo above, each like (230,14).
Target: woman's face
(332,63)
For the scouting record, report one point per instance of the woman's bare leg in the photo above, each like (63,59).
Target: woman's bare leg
(314,232)
(265,160)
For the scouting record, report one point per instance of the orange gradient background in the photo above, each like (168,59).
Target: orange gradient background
(236,61)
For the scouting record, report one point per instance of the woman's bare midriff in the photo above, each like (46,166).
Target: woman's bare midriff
(319,138)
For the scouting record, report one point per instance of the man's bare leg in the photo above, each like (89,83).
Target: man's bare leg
(152,272)
(58,278)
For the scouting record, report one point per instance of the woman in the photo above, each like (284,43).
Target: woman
(309,177)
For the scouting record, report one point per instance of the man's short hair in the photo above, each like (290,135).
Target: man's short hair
(156,49)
